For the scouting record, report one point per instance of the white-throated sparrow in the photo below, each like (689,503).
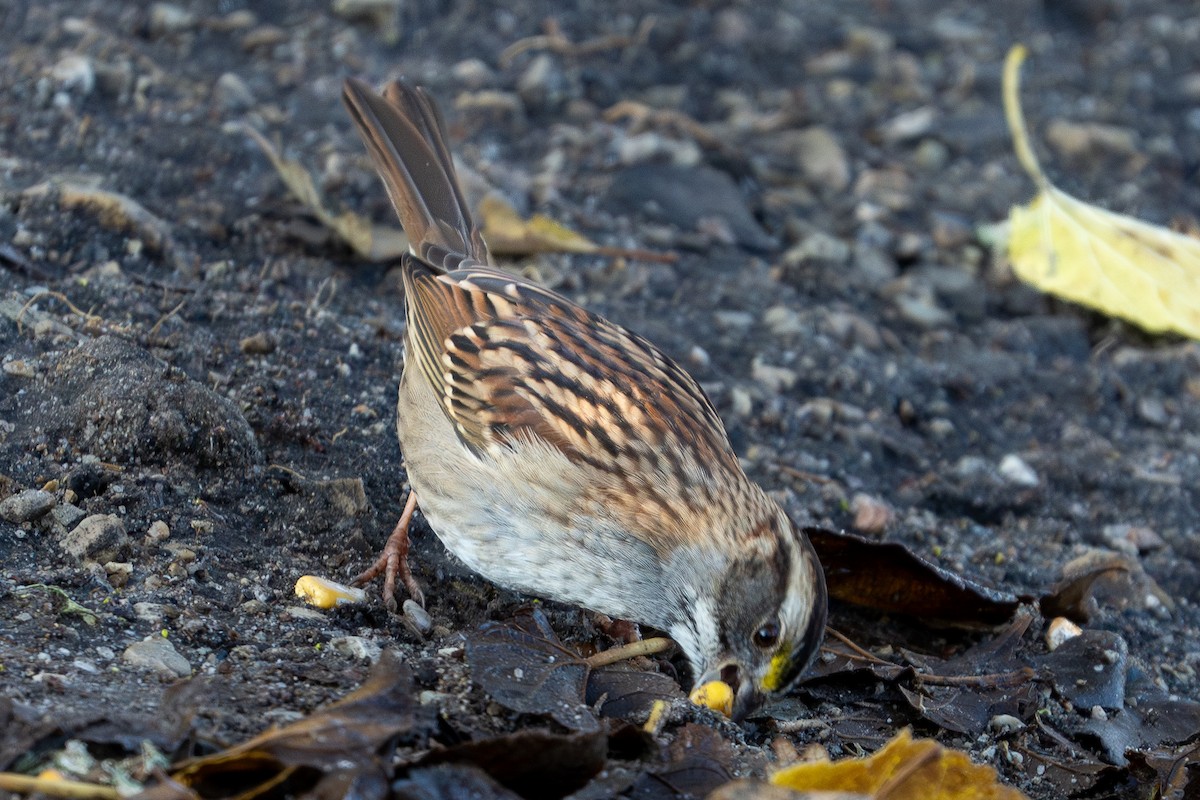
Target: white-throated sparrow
(560,454)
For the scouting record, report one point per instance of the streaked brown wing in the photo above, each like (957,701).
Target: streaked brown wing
(513,360)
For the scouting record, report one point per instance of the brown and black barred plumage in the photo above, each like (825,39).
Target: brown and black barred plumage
(560,454)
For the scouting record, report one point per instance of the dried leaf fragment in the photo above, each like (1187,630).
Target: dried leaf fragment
(507,234)
(372,242)
(902,769)
(890,577)
(1116,264)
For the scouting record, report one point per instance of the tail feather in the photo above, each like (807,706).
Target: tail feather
(404,134)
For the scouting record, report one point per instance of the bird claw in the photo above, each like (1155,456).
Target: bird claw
(393,563)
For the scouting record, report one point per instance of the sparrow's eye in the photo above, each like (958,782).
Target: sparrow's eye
(767,636)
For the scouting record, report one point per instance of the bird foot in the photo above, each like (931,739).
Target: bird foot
(393,562)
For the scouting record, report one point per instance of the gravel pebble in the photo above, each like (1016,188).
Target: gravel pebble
(1015,470)
(158,655)
(418,616)
(357,647)
(26,506)
(167,18)
(100,537)
(68,514)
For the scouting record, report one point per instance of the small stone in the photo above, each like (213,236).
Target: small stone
(100,537)
(650,146)
(254,607)
(1153,411)
(260,343)
(119,573)
(818,247)
(909,125)
(75,74)
(1060,630)
(1131,539)
(418,616)
(775,379)
(26,506)
(19,368)
(384,14)
(167,18)
(921,309)
(1014,470)
(473,73)
(821,158)
(232,94)
(68,514)
(940,428)
(783,320)
(950,231)
(737,321)
(543,84)
(158,655)
(158,532)
(931,155)
(1005,723)
(153,613)
(741,402)
(871,515)
(1076,140)
(356,647)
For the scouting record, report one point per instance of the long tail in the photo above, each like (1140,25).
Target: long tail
(404,134)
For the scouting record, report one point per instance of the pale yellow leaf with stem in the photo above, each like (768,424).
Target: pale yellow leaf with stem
(507,234)
(1116,264)
(372,242)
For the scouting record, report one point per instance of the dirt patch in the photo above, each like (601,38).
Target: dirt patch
(223,389)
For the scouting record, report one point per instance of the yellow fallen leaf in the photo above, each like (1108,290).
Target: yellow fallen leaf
(716,695)
(324,593)
(372,242)
(1116,264)
(903,769)
(507,234)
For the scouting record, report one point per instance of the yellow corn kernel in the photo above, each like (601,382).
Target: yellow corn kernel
(716,695)
(324,593)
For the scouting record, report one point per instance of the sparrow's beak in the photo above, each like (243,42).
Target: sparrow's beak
(747,699)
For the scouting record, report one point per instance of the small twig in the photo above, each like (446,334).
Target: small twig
(798,725)
(90,318)
(638,254)
(56,787)
(861,652)
(556,41)
(643,647)
(154,331)
(994,679)
(643,116)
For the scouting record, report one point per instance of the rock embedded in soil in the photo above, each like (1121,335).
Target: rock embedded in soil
(100,537)
(158,655)
(26,506)
(124,405)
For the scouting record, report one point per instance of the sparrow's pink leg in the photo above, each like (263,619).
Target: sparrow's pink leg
(393,561)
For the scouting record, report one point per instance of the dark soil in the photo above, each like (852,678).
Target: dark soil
(229,367)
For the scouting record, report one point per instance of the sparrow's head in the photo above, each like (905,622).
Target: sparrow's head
(765,621)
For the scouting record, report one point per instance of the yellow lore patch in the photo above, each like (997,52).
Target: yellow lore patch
(773,680)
